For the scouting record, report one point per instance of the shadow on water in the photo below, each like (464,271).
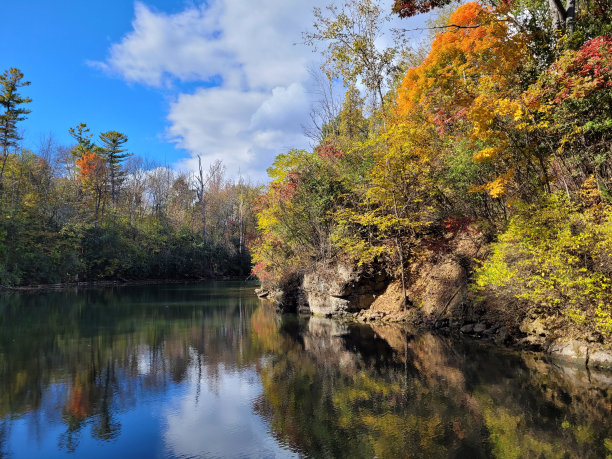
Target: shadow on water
(84,370)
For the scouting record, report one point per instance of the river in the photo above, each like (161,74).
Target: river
(206,370)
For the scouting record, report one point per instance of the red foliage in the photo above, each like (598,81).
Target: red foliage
(444,119)
(589,69)
(458,224)
(328,151)
(452,226)
(260,271)
(406,9)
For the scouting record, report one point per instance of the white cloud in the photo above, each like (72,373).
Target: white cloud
(252,101)
(199,419)
(161,46)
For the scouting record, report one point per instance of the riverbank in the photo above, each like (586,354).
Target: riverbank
(439,297)
(117,283)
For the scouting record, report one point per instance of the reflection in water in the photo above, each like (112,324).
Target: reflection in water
(205,370)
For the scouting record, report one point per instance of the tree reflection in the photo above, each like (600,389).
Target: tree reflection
(359,391)
(102,350)
(329,389)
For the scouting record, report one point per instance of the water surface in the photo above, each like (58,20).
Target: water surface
(205,370)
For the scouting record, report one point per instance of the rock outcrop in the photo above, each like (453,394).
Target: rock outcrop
(437,296)
(332,289)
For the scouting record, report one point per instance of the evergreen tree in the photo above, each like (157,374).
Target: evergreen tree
(114,153)
(11,101)
(81,134)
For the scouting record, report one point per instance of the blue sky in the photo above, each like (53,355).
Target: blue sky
(222,79)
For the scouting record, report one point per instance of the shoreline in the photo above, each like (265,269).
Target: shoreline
(585,354)
(589,354)
(113,283)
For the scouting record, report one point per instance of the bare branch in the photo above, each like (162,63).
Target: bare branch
(447,26)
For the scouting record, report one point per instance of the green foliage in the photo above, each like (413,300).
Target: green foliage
(81,134)
(57,223)
(12,111)
(556,255)
(10,101)
(114,153)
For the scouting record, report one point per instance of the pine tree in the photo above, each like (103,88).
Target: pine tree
(81,134)
(114,154)
(11,101)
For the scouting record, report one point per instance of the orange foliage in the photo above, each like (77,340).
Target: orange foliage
(469,84)
(78,405)
(463,62)
(92,169)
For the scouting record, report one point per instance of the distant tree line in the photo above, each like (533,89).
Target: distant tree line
(93,210)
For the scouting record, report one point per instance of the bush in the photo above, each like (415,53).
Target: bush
(556,255)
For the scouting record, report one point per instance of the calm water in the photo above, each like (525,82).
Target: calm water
(206,371)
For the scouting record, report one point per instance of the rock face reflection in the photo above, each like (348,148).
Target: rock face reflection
(188,371)
(366,391)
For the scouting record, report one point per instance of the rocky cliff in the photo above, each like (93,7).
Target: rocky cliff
(438,296)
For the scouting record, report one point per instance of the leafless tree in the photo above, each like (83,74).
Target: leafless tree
(203,183)
(325,110)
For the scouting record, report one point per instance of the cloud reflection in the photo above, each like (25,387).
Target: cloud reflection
(216,418)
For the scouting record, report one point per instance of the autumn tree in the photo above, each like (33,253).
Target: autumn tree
(93,173)
(12,111)
(395,204)
(476,95)
(352,124)
(568,111)
(295,217)
(413,7)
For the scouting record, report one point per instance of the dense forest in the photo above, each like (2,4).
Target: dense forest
(93,211)
(500,126)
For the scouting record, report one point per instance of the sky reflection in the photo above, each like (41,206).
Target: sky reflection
(217,420)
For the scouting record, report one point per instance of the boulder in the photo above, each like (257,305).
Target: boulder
(333,289)
(572,350)
(601,359)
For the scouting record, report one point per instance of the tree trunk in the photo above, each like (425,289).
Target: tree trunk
(557,13)
(571,15)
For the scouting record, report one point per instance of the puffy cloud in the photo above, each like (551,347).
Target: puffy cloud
(199,418)
(160,45)
(251,101)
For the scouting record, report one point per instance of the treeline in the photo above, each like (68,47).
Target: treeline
(501,126)
(93,211)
